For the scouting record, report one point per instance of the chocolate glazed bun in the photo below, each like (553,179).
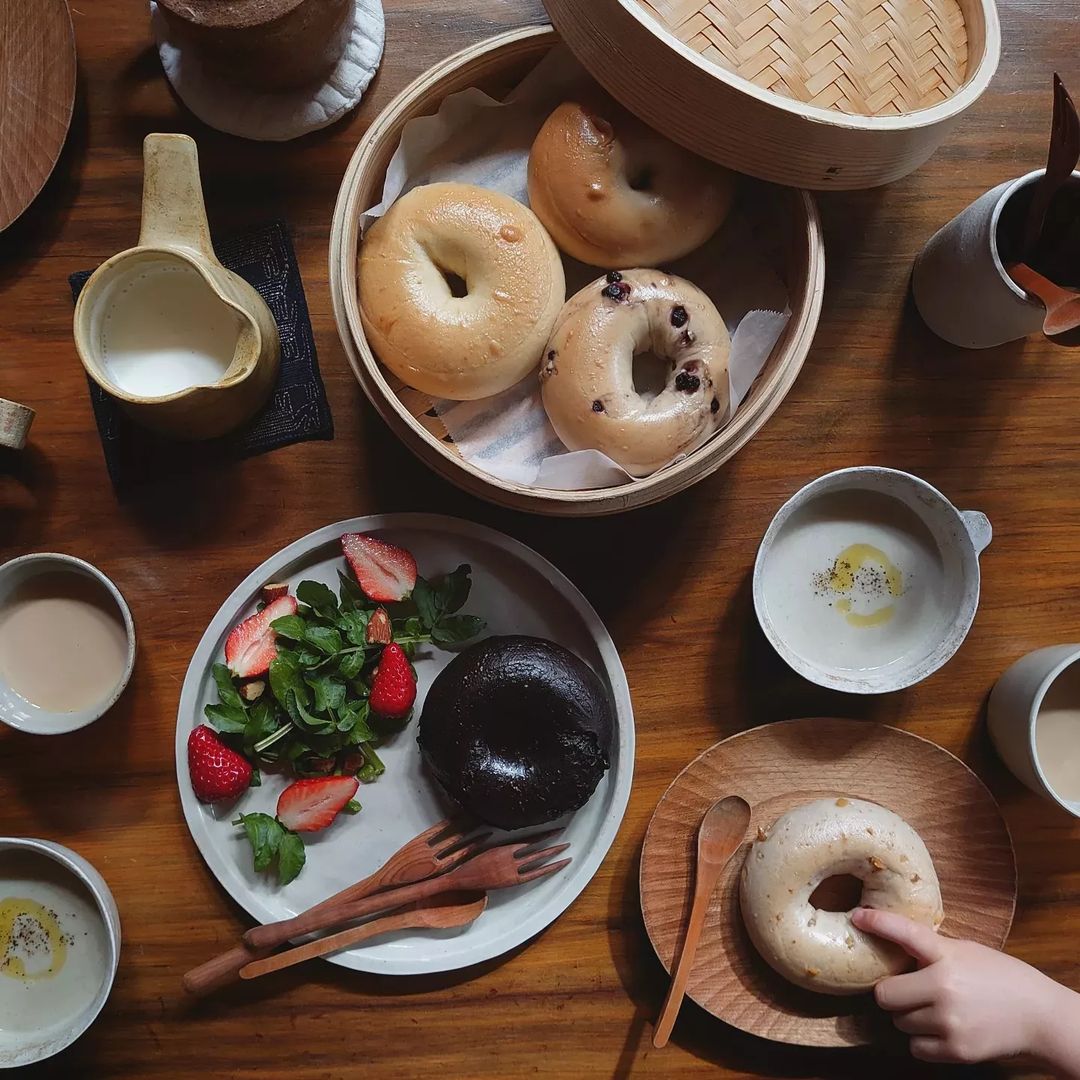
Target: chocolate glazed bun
(517,730)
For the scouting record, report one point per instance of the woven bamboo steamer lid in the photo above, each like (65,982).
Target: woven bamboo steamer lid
(496,65)
(814,93)
(262,44)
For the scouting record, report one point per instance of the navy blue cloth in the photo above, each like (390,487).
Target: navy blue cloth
(297,410)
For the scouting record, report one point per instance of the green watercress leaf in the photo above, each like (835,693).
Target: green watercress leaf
(427,602)
(228,719)
(264,835)
(352,596)
(285,677)
(350,664)
(324,638)
(226,688)
(454,589)
(353,625)
(329,691)
(318,596)
(454,629)
(292,627)
(291,857)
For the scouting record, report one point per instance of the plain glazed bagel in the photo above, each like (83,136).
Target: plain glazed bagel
(613,192)
(823,950)
(459,287)
(587,374)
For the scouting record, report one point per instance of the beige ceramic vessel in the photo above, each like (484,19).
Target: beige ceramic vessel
(175,230)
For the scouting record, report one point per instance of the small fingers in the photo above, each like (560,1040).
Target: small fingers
(914,938)
(902,993)
(925,1021)
(931,1048)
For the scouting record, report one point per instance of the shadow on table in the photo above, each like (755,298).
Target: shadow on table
(709,1039)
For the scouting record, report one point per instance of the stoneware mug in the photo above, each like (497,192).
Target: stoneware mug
(175,235)
(959,281)
(1013,712)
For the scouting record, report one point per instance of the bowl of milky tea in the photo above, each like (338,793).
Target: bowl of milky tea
(59,948)
(67,643)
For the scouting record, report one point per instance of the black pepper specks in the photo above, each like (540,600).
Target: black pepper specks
(551,354)
(687,383)
(679,316)
(715,406)
(613,276)
(617,291)
(597,406)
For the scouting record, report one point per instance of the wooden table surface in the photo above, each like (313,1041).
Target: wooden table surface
(994,430)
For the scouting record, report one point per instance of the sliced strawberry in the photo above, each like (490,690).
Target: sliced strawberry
(379,630)
(253,644)
(310,805)
(393,689)
(217,771)
(272,591)
(384,572)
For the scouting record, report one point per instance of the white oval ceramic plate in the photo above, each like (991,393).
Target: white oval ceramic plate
(517,592)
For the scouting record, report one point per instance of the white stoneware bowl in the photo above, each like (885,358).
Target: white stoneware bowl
(15,710)
(867,580)
(1013,712)
(25,1048)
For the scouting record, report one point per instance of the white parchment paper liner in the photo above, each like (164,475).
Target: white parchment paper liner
(475,139)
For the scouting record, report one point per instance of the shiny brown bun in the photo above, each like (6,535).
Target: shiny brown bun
(459,287)
(613,192)
(587,374)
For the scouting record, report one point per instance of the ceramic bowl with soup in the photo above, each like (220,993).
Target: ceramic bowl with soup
(867,580)
(59,948)
(67,643)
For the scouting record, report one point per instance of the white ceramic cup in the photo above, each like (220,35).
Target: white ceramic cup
(15,710)
(18,1049)
(953,539)
(1013,711)
(959,281)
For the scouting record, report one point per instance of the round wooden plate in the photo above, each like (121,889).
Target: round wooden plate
(37,95)
(775,768)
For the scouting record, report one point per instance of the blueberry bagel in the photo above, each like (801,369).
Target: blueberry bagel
(613,192)
(587,372)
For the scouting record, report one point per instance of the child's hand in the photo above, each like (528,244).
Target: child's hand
(966,1002)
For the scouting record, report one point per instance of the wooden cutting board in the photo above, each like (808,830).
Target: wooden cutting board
(780,766)
(37,95)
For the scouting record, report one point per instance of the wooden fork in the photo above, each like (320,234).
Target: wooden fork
(434,851)
(496,868)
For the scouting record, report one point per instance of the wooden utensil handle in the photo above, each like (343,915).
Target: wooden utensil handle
(706,881)
(222,970)
(273,935)
(344,939)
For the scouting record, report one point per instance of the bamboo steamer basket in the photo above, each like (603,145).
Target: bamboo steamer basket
(496,66)
(815,93)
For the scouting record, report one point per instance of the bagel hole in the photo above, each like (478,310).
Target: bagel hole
(650,373)
(455,283)
(641,179)
(841,892)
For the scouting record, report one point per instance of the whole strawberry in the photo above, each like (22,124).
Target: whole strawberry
(393,689)
(217,771)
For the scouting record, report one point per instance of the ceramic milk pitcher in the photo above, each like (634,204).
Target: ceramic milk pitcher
(189,348)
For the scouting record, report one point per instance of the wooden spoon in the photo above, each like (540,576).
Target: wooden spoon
(436,913)
(721,833)
(1062,305)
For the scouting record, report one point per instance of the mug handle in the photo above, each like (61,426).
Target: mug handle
(979,529)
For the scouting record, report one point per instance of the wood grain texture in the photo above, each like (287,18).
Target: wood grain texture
(784,222)
(994,430)
(834,94)
(776,768)
(37,94)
